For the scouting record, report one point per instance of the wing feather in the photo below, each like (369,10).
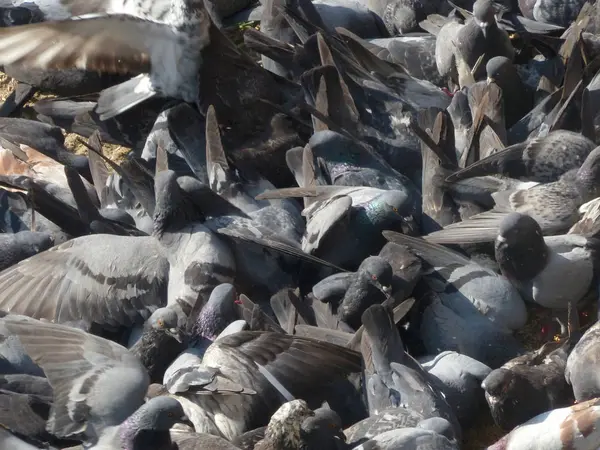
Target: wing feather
(117,43)
(73,361)
(109,280)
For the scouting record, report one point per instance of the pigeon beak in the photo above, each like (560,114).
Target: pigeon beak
(340,435)
(176,334)
(185,420)
(490,80)
(409,227)
(384,289)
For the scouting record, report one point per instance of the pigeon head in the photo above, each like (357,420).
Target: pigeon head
(169,319)
(36,241)
(588,175)
(169,201)
(496,382)
(395,207)
(218,312)
(520,248)
(514,398)
(158,414)
(378,271)
(404,17)
(323,429)
(483,12)
(284,429)
(499,70)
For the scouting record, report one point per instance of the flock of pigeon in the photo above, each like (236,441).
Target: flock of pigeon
(336,247)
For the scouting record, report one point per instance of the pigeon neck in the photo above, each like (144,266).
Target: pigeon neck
(374,214)
(138,429)
(588,184)
(212,320)
(523,261)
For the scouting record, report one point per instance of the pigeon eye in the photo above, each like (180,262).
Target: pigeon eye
(170,414)
(161,323)
(374,277)
(395,209)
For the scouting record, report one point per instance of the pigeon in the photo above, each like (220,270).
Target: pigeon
(465,282)
(19,246)
(579,372)
(458,47)
(562,12)
(231,375)
(387,419)
(415,52)
(350,214)
(388,370)
(97,290)
(161,42)
(352,293)
(460,377)
(562,428)
(517,100)
(529,385)
(401,17)
(542,159)
(433,433)
(294,425)
(108,416)
(534,263)
(553,205)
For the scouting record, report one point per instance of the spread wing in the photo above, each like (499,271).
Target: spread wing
(109,43)
(73,361)
(109,280)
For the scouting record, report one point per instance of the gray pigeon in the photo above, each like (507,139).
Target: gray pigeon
(110,412)
(550,271)
(461,378)
(351,293)
(581,370)
(402,16)
(517,99)
(558,12)
(467,284)
(353,215)
(542,159)
(117,280)
(19,246)
(555,206)
(162,41)
(529,385)
(455,326)
(392,377)
(431,433)
(415,52)
(458,47)
(387,419)
(236,375)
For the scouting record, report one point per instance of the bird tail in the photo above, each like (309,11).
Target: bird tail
(124,96)
(383,344)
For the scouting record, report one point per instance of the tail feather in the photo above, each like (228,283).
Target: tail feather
(124,96)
